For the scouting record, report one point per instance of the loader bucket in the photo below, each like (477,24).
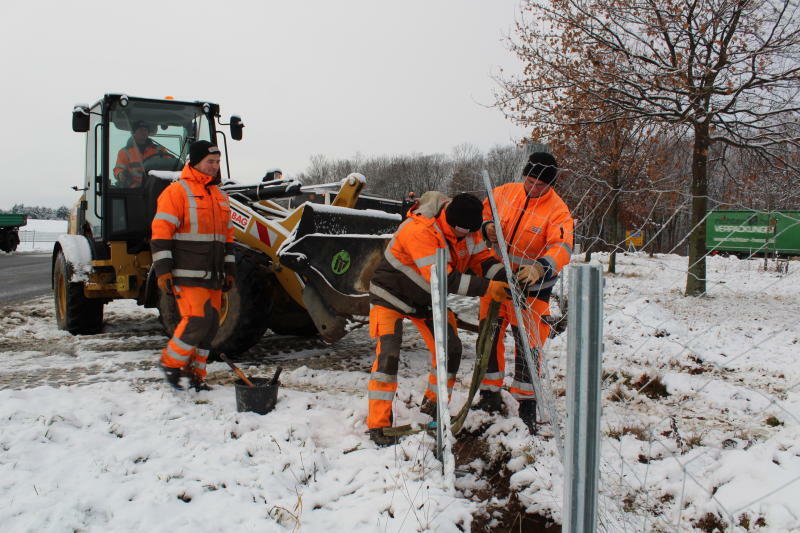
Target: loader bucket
(336,250)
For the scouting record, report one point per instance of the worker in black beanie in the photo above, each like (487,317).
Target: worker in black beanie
(194,262)
(400,289)
(538,229)
(542,166)
(465,211)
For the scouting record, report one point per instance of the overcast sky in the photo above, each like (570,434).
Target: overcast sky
(308,77)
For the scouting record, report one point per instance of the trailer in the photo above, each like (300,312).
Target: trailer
(9,236)
(749,233)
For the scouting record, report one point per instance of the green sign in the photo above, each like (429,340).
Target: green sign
(340,263)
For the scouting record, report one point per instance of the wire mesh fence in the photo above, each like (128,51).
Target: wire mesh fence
(699,394)
(35,239)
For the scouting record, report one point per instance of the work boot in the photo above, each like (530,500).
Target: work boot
(429,408)
(491,401)
(376,435)
(173,376)
(527,412)
(199,384)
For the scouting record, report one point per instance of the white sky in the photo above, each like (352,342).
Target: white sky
(307,77)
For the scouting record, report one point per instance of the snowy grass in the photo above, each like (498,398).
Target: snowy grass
(700,425)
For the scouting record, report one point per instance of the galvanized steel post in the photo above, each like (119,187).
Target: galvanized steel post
(584,362)
(440,330)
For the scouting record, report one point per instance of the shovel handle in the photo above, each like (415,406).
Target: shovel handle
(237,371)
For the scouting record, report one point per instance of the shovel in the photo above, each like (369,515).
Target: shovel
(241,374)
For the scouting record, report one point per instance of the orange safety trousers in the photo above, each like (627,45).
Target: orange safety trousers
(190,344)
(538,331)
(386,325)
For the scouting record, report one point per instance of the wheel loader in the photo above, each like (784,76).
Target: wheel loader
(300,270)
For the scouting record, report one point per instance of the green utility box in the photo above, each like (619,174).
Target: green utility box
(753,232)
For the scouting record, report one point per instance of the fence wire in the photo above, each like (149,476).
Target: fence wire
(700,394)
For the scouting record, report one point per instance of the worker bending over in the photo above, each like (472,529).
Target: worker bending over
(401,289)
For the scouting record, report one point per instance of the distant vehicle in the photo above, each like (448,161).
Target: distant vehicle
(9,224)
(748,233)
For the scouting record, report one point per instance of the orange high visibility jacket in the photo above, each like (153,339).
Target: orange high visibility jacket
(129,168)
(536,230)
(402,279)
(192,232)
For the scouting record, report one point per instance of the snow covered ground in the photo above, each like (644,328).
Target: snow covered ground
(700,423)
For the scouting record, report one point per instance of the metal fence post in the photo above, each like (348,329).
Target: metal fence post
(440,328)
(584,362)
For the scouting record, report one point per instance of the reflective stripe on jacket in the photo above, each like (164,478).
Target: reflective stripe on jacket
(129,168)
(402,279)
(192,232)
(536,229)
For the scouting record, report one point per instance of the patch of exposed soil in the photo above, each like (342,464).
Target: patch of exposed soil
(503,512)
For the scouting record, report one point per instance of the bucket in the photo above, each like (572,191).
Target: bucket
(259,399)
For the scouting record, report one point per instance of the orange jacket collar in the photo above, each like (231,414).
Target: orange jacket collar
(190,173)
(447,230)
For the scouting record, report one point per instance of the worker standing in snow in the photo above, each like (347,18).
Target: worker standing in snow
(538,230)
(192,247)
(401,289)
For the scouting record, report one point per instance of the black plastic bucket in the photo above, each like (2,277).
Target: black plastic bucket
(259,399)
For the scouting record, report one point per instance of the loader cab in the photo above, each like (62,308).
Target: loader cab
(127,137)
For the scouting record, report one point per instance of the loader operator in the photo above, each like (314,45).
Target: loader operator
(129,169)
(400,288)
(192,248)
(538,229)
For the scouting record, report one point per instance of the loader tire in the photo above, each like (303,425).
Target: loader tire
(288,317)
(74,311)
(245,310)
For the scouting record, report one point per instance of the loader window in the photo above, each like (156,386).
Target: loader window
(146,136)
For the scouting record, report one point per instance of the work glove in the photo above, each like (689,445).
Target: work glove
(228,282)
(530,274)
(498,291)
(490,232)
(166,283)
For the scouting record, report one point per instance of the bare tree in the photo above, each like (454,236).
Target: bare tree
(727,71)
(505,163)
(467,165)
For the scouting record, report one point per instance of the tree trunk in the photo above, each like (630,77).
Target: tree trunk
(616,233)
(696,275)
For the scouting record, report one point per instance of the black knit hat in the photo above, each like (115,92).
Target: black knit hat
(541,166)
(464,211)
(199,150)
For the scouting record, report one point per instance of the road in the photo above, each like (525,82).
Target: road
(24,276)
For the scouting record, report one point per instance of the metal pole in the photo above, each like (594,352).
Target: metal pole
(440,327)
(584,362)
